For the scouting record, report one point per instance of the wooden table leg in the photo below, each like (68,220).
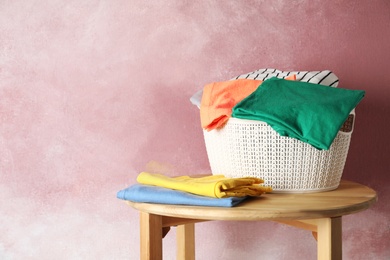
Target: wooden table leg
(185,242)
(151,236)
(329,238)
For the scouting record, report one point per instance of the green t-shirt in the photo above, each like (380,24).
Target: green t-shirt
(309,112)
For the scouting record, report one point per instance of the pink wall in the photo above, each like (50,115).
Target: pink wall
(92,91)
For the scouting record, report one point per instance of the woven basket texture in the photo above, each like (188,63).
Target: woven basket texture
(252,148)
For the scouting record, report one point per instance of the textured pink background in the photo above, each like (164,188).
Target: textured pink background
(93,92)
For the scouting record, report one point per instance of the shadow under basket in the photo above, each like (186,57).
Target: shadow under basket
(249,148)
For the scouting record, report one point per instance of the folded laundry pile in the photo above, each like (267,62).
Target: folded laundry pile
(215,190)
(307,107)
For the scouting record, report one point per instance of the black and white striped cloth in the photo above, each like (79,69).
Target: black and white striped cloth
(324,77)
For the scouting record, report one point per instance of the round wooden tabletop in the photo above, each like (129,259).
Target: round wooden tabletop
(348,198)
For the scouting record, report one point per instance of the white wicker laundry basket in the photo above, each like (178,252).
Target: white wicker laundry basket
(252,148)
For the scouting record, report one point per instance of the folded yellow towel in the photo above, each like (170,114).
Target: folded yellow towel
(216,186)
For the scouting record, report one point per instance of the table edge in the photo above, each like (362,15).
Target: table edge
(219,213)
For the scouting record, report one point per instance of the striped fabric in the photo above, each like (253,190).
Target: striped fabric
(324,77)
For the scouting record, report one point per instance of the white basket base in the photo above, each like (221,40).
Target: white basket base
(305,191)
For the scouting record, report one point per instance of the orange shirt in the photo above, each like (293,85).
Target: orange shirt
(219,98)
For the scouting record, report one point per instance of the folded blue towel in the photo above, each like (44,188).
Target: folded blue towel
(155,194)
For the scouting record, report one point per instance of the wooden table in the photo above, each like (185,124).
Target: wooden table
(320,213)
